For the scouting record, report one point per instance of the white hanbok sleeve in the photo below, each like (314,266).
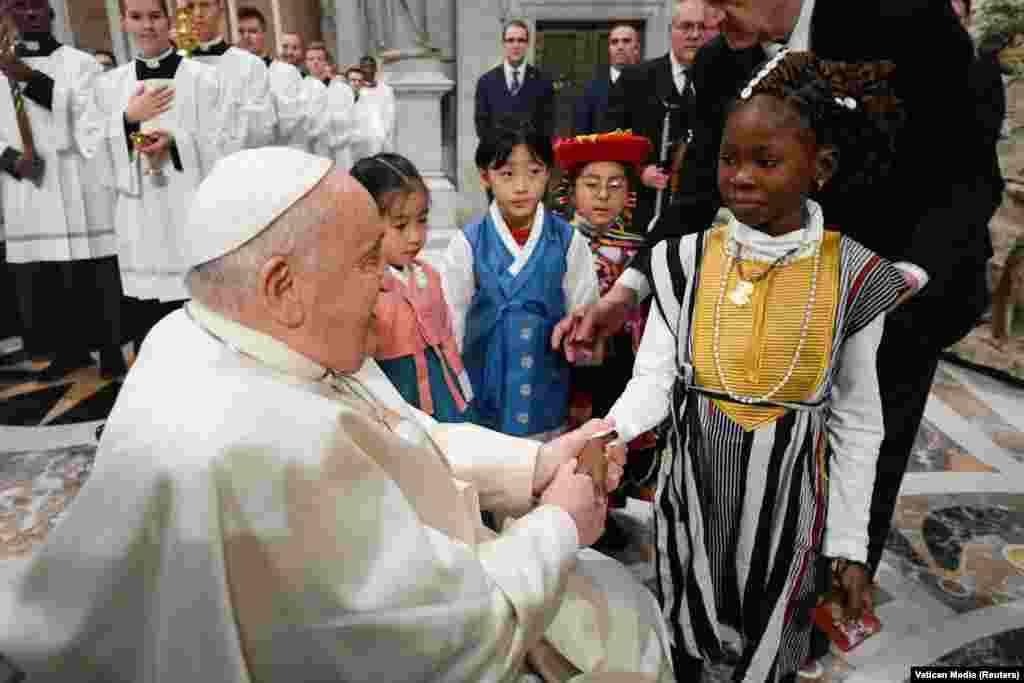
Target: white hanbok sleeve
(647,399)
(855,430)
(458,282)
(580,283)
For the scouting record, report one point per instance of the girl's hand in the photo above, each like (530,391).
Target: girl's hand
(148,104)
(855,588)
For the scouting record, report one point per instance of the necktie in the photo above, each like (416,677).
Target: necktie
(515,81)
(681,81)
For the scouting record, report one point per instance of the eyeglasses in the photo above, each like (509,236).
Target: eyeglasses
(596,188)
(690,27)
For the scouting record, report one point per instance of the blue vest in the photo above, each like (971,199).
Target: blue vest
(522,386)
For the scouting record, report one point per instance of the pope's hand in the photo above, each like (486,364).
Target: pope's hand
(566,447)
(158,147)
(577,495)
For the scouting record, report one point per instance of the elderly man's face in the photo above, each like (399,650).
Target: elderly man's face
(747,22)
(339,295)
(689,30)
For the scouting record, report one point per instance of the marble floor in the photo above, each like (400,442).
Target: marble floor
(951,586)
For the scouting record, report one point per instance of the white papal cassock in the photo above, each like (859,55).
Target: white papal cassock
(252,517)
(70,217)
(150,215)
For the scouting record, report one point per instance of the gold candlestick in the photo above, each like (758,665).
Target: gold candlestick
(186,31)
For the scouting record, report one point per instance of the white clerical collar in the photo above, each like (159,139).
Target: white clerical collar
(32,45)
(216,41)
(262,347)
(614,73)
(154,62)
(800,38)
(760,246)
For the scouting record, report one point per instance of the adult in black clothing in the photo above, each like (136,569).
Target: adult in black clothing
(644,94)
(623,51)
(930,212)
(514,92)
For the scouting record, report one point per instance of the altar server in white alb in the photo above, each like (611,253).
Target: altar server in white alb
(244,78)
(374,114)
(285,523)
(177,104)
(60,223)
(330,127)
(285,81)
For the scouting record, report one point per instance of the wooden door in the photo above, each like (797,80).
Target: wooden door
(571,55)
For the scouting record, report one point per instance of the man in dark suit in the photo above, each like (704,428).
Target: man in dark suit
(514,91)
(643,96)
(930,216)
(623,51)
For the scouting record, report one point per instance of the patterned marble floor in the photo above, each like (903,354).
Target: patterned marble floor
(951,586)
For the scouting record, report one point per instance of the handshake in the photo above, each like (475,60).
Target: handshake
(576,471)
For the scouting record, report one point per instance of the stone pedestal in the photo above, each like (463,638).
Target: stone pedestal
(419,84)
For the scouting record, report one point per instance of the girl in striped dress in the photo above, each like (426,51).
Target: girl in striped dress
(761,347)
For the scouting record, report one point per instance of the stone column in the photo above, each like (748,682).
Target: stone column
(417,76)
(350,31)
(478,46)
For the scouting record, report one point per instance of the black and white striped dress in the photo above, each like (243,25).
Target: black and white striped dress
(742,516)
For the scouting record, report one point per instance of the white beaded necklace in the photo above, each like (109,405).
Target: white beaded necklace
(716,341)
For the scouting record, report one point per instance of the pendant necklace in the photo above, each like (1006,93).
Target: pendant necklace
(740,295)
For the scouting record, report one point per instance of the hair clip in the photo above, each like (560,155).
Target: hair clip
(847,102)
(765,70)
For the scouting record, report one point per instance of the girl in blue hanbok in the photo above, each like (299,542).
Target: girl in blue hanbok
(509,278)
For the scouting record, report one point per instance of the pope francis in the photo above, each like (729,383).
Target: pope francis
(258,510)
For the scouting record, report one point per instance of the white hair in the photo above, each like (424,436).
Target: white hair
(678,7)
(226,280)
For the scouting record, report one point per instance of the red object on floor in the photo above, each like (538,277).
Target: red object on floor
(829,618)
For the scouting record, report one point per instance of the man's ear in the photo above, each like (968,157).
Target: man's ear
(279,293)
(826,166)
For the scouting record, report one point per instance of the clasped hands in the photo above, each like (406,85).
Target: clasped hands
(556,481)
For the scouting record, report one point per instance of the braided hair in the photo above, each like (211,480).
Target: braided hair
(851,107)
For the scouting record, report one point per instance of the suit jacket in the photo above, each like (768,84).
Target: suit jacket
(933,209)
(591,106)
(638,101)
(535,101)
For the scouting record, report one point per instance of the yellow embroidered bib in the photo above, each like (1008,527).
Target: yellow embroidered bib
(757,340)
